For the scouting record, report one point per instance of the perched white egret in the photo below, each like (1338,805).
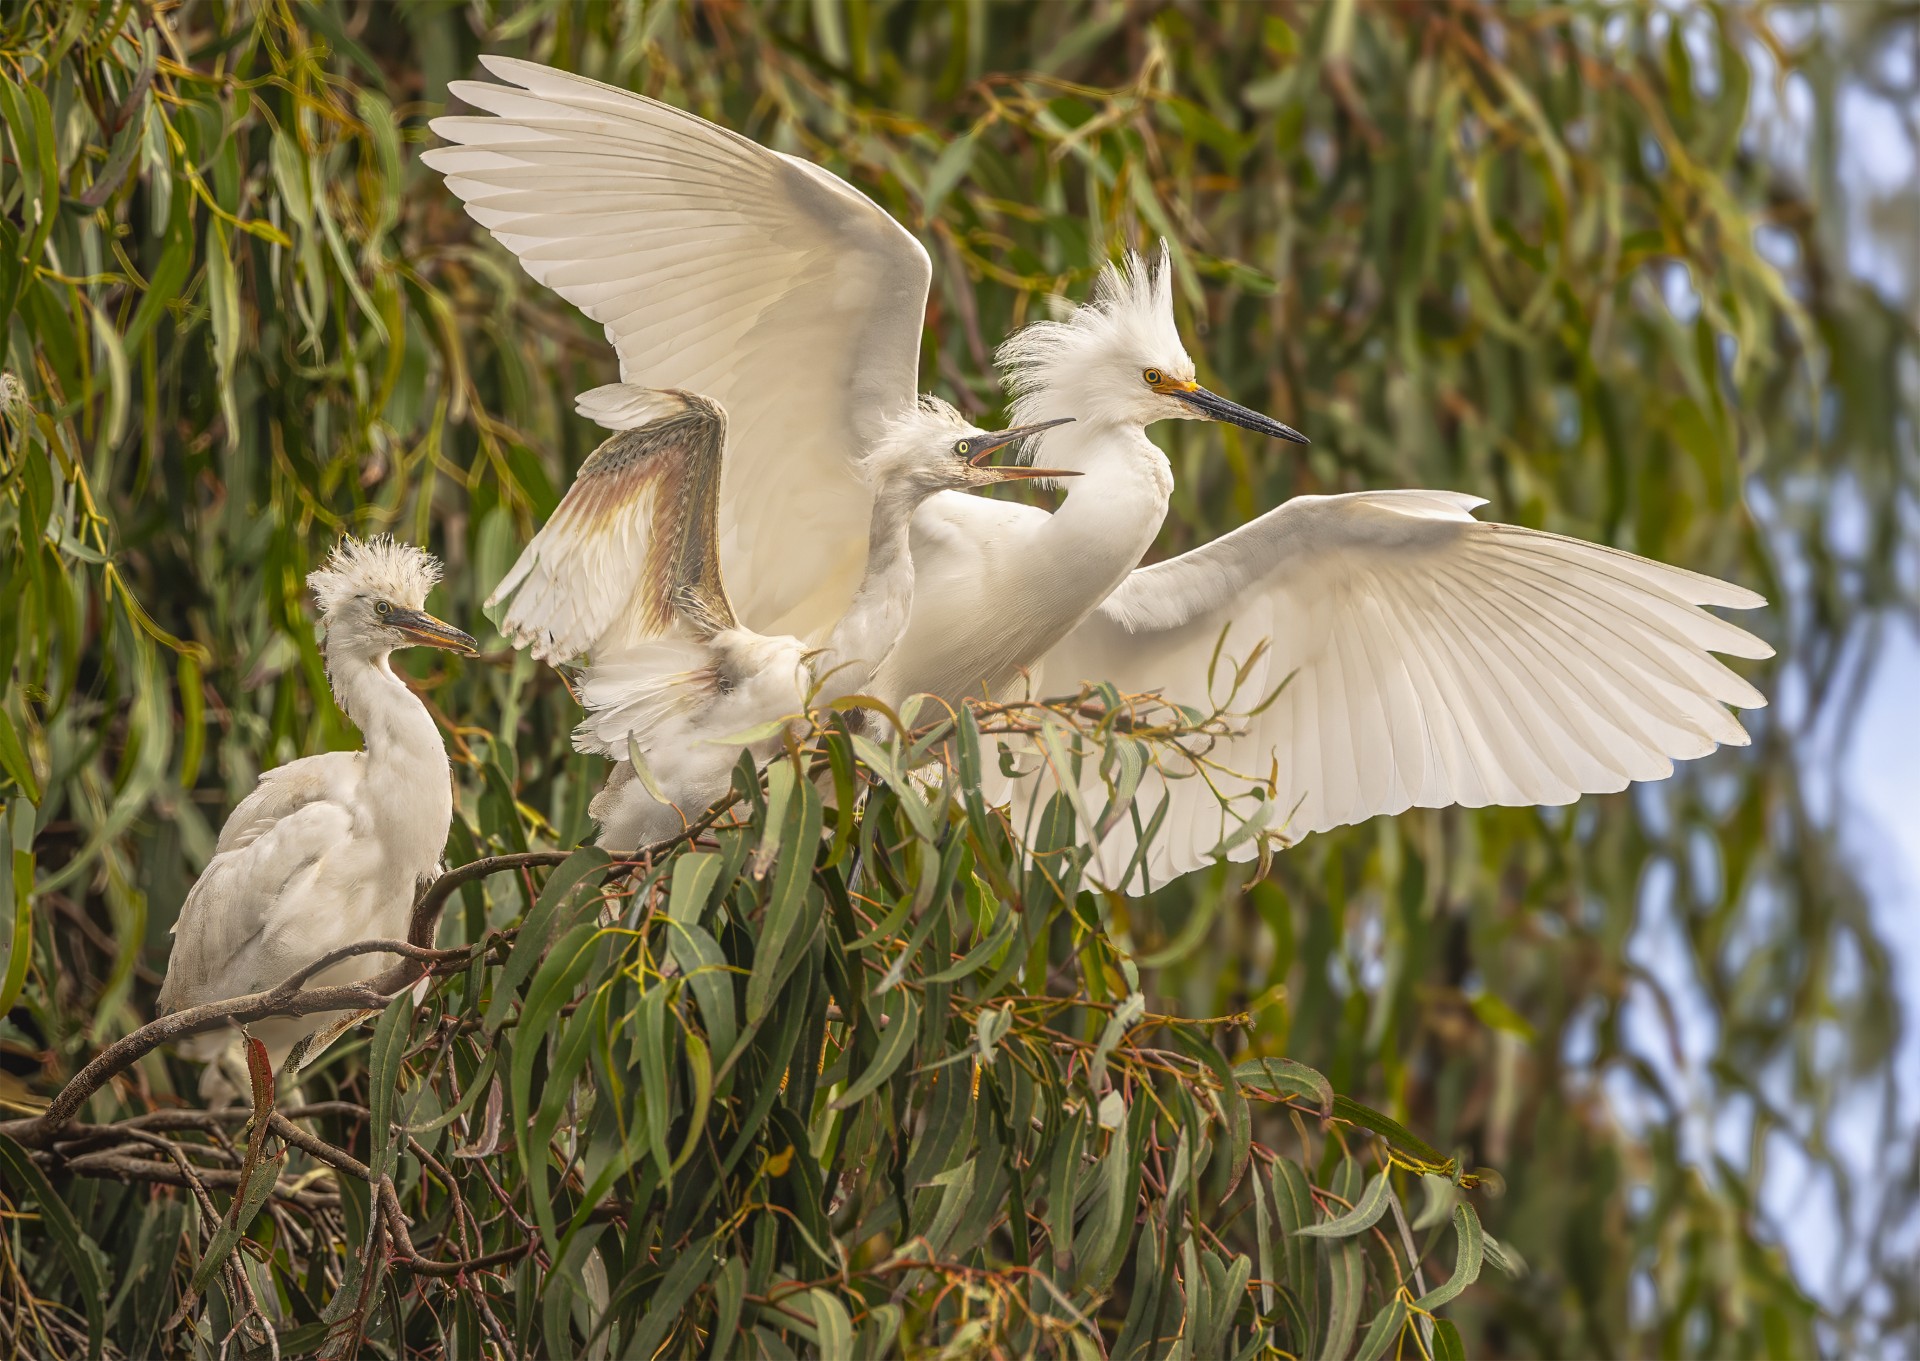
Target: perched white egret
(1420,657)
(329,849)
(1434,659)
(627,571)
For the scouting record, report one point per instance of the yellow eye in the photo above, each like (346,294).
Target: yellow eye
(381,607)
(963,448)
(1154,377)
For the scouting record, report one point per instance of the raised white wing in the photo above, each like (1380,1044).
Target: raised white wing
(630,555)
(723,268)
(1428,659)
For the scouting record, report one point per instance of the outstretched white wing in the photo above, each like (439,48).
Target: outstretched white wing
(1427,658)
(723,268)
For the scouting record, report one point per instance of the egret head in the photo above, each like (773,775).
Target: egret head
(371,594)
(1119,359)
(933,448)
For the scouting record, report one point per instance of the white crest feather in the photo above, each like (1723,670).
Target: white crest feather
(913,439)
(380,566)
(1053,367)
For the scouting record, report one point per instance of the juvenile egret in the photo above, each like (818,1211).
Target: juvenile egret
(1435,659)
(628,571)
(329,849)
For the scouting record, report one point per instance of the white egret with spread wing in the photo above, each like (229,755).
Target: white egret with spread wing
(1433,659)
(787,296)
(330,849)
(1414,656)
(627,572)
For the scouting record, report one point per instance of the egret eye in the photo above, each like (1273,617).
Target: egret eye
(963,448)
(1154,377)
(382,608)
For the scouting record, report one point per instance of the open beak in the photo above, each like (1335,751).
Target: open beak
(424,629)
(1212,406)
(1015,472)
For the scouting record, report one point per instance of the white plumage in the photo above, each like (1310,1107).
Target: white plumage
(329,849)
(718,267)
(1433,659)
(1421,657)
(627,574)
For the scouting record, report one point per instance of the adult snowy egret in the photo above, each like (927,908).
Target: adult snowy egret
(329,849)
(628,572)
(1420,657)
(1434,659)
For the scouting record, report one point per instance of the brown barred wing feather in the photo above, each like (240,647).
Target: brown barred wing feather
(631,553)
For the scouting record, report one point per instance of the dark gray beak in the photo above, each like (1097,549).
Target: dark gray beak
(983,445)
(1217,408)
(422,628)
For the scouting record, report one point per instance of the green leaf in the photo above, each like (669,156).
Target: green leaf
(1363,1216)
(258,1173)
(949,168)
(1398,1136)
(706,970)
(694,876)
(552,987)
(1284,1077)
(17,900)
(391,1035)
(223,302)
(729,1291)
(1502,1256)
(896,1043)
(1466,1267)
(536,929)
(700,1068)
(688,1272)
(578,1036)
(1383,1331)
(831,1322)
(1346,1293)
(794,901)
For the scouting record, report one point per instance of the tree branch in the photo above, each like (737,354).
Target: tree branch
(286,999)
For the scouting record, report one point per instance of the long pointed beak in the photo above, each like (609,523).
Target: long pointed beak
(1014,472)
(424,629)
(1000,439)
(1214,407)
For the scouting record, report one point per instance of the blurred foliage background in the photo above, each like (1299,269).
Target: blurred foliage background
(1542,253)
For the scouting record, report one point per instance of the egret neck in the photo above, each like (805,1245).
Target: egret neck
(999,583)
(404,805)
(864,635)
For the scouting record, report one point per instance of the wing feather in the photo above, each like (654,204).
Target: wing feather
(1428,658)
(631,553)
(716,266)
(218,936)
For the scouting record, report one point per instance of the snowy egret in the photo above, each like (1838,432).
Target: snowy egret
(329,849)
(1420,657)
(627,571)
(1434,659)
